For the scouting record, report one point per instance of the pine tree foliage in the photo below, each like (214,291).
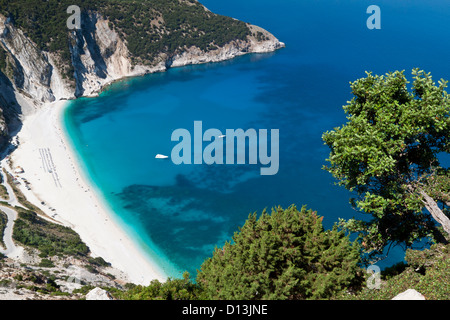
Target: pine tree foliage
(283,255)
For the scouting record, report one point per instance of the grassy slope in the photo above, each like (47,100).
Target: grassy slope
(427,271)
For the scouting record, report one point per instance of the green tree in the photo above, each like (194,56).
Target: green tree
(172,289)
(283,255)
(387,155)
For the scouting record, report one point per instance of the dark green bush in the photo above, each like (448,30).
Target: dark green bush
(172,289)
(49,238)
(45,263)
(283,255)
(99,261)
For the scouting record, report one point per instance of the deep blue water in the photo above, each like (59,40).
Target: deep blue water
(180,213)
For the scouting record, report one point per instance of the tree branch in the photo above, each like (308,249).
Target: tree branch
(435,211)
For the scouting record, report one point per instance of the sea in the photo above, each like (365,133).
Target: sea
(179,214)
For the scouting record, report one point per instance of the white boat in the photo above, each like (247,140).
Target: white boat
(161,156)
(221,137)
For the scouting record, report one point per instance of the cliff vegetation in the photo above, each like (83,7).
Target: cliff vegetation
(149,27)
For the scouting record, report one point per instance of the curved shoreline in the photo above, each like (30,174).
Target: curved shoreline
(67,195)
(44,129)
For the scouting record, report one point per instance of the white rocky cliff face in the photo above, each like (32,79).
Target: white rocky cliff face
(231,50)
(99,56)
(30,69)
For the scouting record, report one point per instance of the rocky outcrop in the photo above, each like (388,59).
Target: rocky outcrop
(409,294)
(98,294)
(194,55)
(31,70)
(99,56)
(24,279)
(4,131)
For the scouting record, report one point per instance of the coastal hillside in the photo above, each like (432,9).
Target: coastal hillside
(42,60)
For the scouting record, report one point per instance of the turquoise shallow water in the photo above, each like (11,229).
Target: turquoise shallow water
(180,213)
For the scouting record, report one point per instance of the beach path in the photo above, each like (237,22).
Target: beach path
(11,249)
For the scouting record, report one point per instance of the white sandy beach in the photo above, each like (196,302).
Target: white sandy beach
(44,145)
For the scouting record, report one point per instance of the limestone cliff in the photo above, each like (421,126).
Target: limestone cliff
(99,55)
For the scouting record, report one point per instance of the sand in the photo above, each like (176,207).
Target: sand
(57,180)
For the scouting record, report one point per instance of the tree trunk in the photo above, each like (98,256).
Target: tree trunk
(435,211)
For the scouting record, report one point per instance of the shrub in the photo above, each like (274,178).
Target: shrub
(428,272)
(49,238)
(285,255)
(99,261)
(45,263)
(172,289)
